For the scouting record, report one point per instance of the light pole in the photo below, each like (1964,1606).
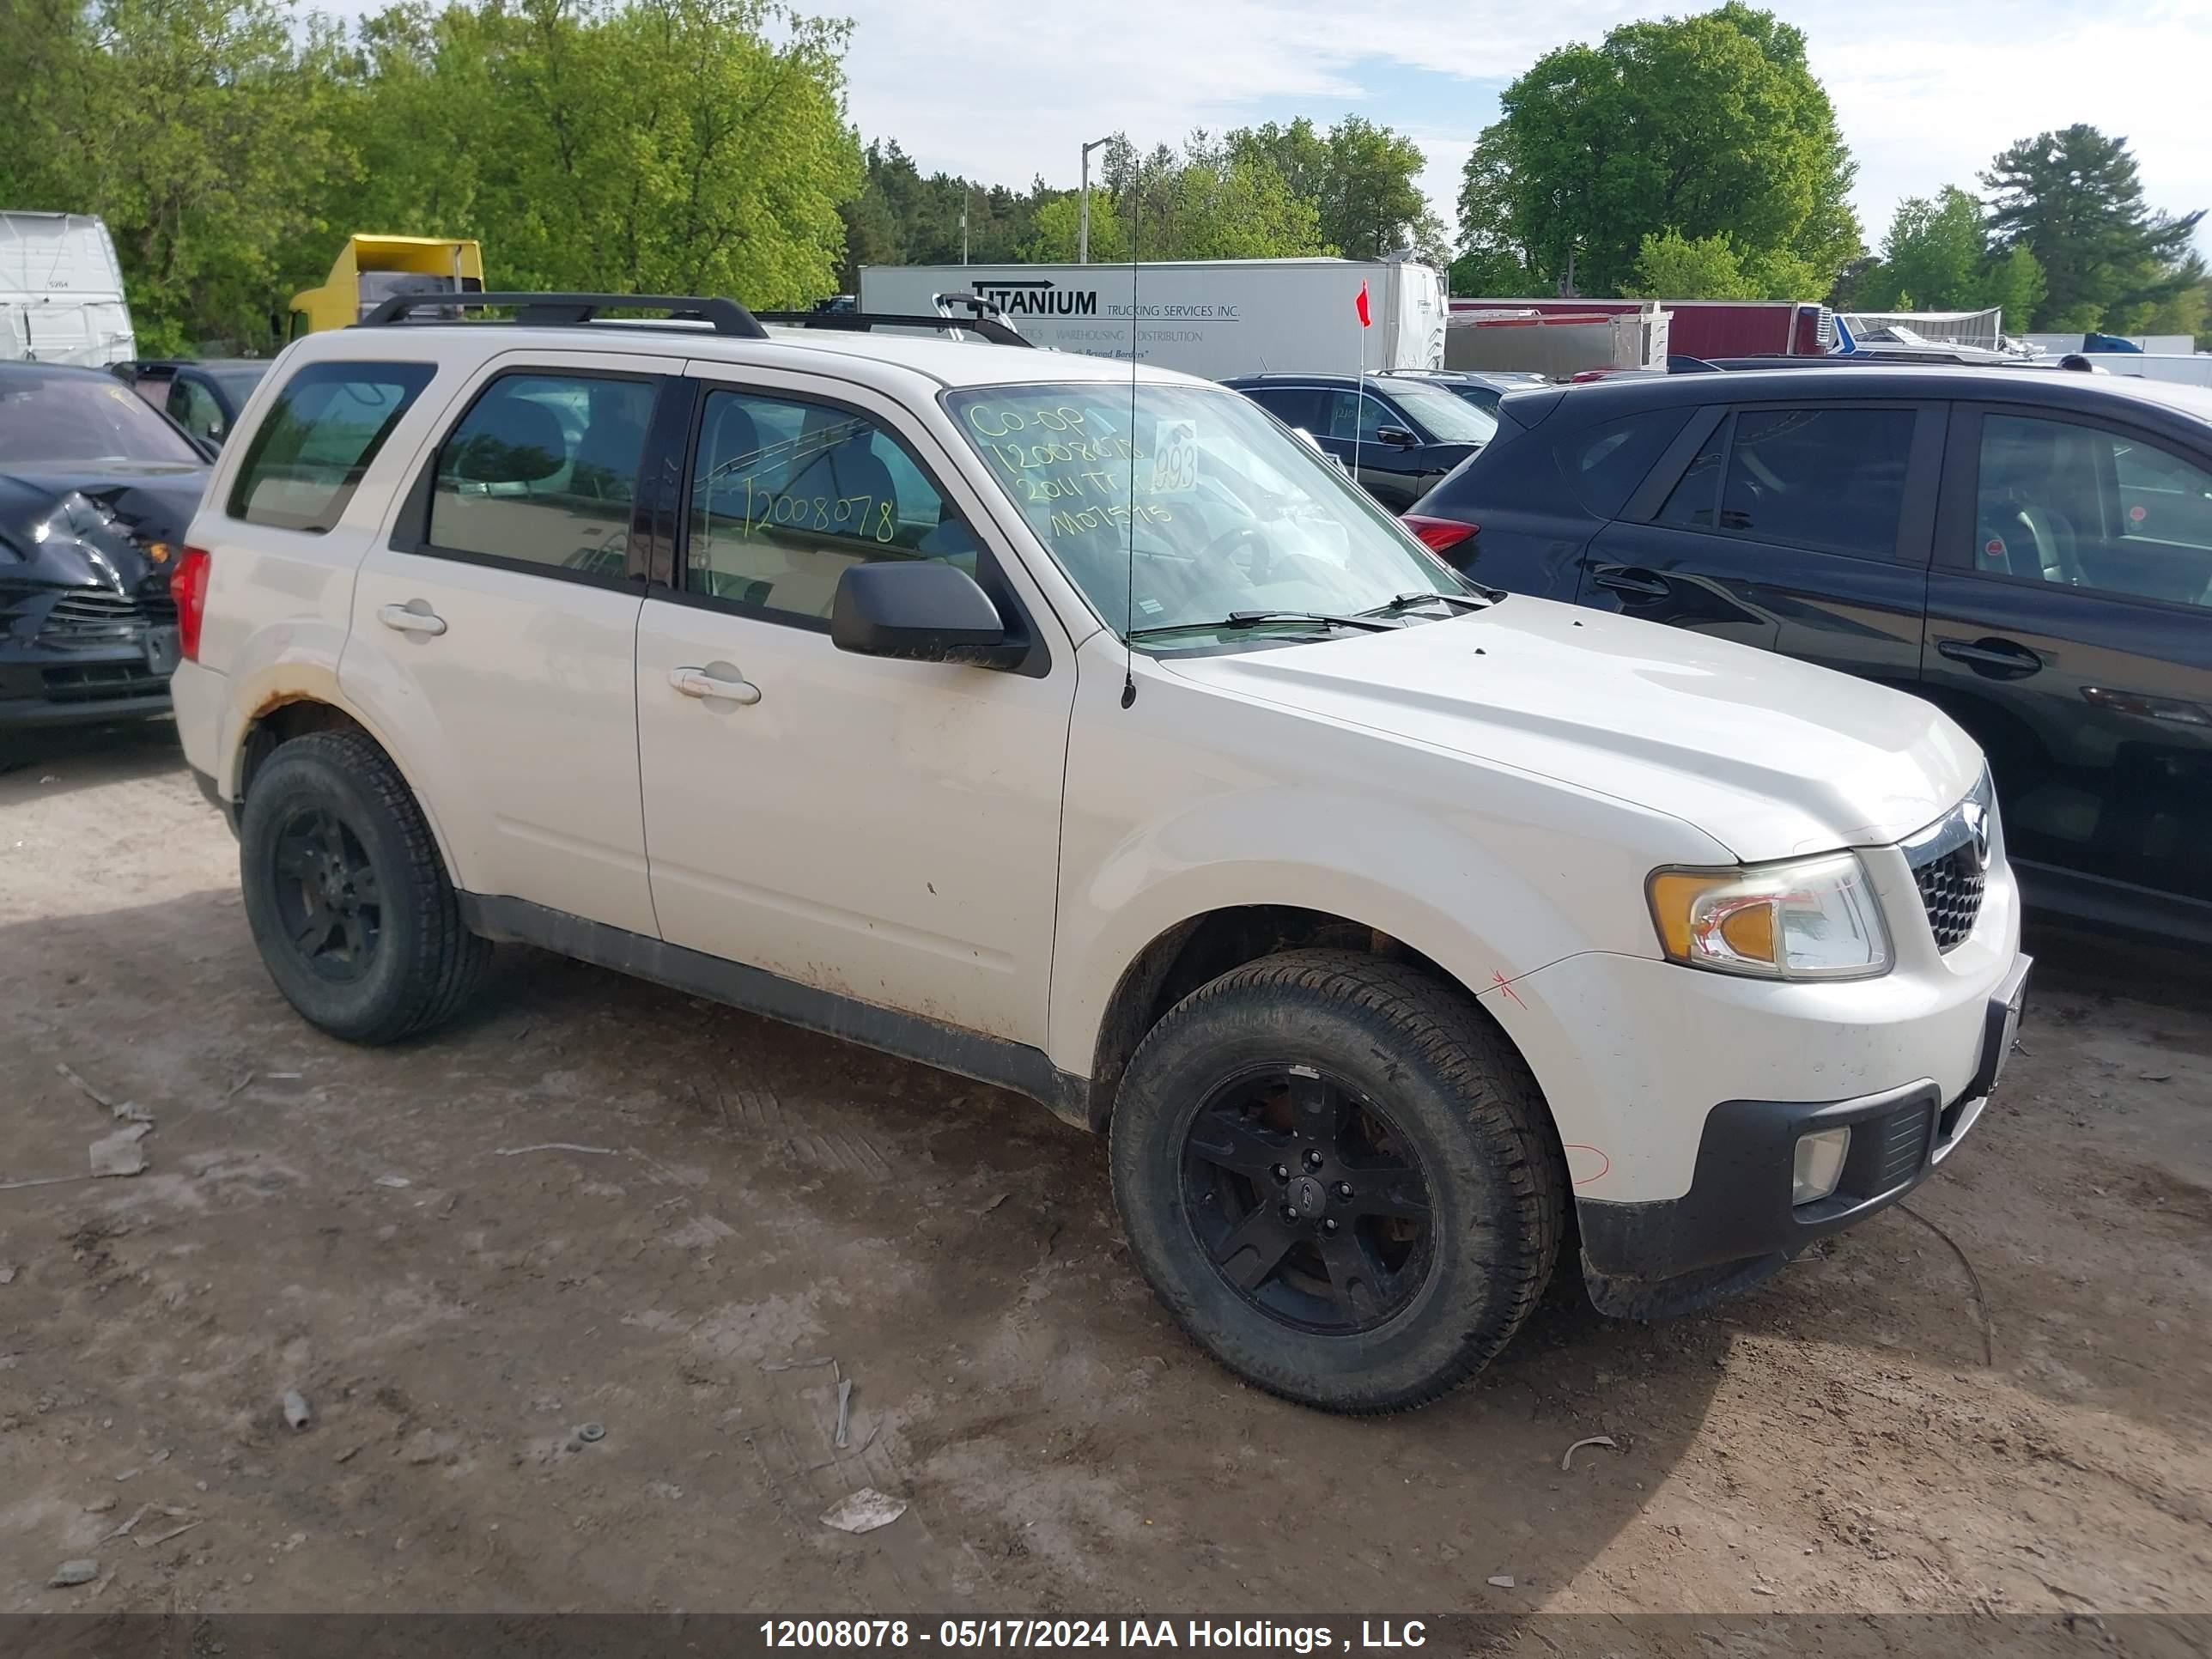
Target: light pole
(1083,205)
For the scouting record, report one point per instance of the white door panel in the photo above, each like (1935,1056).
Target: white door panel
(884,830)
(511,686)
(518,719)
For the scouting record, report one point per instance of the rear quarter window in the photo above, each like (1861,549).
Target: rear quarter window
(308,456)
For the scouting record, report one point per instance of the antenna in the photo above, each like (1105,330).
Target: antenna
(1129,602)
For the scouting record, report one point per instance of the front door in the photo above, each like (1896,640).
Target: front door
(1395,472)
(884,831)
(502,615)
(2069,629)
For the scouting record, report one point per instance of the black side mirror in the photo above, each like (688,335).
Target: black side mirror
(1397,437)
(923,611)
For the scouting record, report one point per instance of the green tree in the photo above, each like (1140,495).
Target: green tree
(1933,257)
(2074,199)
(202,131)
(1361,180)
(1494,254)
(1709,125)
(1671,265)
(2013,282)
(1204,202)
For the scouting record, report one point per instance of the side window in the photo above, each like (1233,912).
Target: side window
(1370,418)
(543,470)
(786,495)
(1293,405)
(1606,462)
(1691,504)
(2084,507)
(1830,479)
(193,407)
(310,448)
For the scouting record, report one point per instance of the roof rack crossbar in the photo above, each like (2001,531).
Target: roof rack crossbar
(727,317)
(860,322)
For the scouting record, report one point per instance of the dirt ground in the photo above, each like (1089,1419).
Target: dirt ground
(2019,1422)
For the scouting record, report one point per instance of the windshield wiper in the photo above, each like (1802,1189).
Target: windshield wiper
(1409,601)
(1255,618)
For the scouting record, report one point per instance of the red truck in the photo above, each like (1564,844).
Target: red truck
(1706,328)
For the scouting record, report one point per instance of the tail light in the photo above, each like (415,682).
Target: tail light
(188,587)
(1439,535)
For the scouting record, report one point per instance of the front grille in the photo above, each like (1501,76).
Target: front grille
(93,617)
(102,682)
(1951,889)
(1950,866)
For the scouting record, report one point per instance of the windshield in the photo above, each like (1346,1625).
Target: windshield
(83,419)
(1229,513)
(1449,420)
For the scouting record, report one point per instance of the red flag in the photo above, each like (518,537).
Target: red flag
(1360,305)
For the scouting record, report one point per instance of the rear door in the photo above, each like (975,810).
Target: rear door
(2069,629)
(1802,528)
(500,618)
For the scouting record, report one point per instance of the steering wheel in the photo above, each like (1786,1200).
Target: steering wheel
(1263,556)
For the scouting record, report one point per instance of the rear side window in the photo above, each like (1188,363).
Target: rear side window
(308,454)
(1830,479)
(543,471)
(1605,463)
(1293,405)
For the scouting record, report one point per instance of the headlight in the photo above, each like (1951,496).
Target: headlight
(1809,919)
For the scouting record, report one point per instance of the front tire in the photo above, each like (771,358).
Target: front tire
(1340,1178)
(348,899)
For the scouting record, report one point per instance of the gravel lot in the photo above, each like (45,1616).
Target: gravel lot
(1998,1400)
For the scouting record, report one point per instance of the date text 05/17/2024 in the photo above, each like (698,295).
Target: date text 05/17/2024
(1241,1635)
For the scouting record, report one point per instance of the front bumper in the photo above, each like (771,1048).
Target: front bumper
(1736,1223)
(40,685)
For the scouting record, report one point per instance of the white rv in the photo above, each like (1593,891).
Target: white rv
(1216,318)
(61,291)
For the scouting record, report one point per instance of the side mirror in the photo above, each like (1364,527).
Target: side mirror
(1397,437)
(922,611)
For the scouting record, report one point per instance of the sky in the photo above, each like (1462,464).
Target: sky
(1927,91)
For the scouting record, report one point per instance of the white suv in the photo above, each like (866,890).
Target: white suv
(1085,733)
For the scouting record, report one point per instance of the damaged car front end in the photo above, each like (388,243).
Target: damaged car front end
(95,491)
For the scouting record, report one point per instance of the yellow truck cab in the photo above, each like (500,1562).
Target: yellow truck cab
(371,270)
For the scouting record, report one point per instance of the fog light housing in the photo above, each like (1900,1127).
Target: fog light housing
(1820,1165)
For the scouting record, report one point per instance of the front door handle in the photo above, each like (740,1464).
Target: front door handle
(1998,658)
(717,679)
(1641,584)
(415,617)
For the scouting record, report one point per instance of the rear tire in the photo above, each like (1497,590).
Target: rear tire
(1360,1122)
(348,899)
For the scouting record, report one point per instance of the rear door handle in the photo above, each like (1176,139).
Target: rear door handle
(717,679)
(2001,658)
(1623,579)
(415,617)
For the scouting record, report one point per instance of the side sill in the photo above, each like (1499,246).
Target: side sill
(1014,1066)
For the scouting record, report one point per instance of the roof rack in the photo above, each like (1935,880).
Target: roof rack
(727,317)
(860,322)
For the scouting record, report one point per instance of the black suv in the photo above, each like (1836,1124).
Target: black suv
(1399,435)
(2032,552)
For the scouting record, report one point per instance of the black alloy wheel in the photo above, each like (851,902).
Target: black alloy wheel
(329,905)
(1308,1201)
